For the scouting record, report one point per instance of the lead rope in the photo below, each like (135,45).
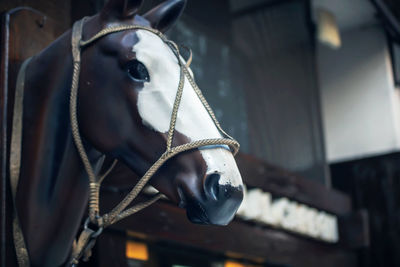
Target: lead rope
(82,248)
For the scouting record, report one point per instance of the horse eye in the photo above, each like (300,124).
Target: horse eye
(138,71)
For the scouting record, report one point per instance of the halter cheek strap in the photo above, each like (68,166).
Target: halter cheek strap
(88,236)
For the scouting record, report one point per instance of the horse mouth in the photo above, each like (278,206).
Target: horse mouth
(182,198)
(194,210)
(211,211)
(196,213)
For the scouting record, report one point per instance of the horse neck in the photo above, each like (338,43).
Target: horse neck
(47,139)
(53,186)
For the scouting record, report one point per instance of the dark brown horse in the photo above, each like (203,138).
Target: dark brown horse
(127,87)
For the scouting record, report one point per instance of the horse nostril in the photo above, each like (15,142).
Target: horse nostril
(211,185)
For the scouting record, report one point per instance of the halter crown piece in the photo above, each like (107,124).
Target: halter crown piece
(87,238)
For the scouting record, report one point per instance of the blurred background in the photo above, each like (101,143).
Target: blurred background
(310,88)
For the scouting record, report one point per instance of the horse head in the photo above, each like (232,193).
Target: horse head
(124,97)
(128,84)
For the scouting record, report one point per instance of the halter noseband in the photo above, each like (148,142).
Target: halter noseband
(120,211)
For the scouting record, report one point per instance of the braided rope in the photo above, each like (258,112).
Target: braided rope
(120,211)
(175,109)
(119,28)
(108,171)
(108,218)
(94,188)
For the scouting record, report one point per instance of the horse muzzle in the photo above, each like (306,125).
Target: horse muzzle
(218,204)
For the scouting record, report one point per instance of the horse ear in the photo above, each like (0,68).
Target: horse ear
(122,9)
(163,16)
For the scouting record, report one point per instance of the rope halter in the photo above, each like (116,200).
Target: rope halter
(120,211)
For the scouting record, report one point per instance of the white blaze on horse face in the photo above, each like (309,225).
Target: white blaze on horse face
(156,100)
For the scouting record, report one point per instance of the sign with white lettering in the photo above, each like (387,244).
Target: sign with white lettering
(289,215)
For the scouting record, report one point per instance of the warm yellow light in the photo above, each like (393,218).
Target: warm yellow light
(233,264)
(328,30)
(136,251)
